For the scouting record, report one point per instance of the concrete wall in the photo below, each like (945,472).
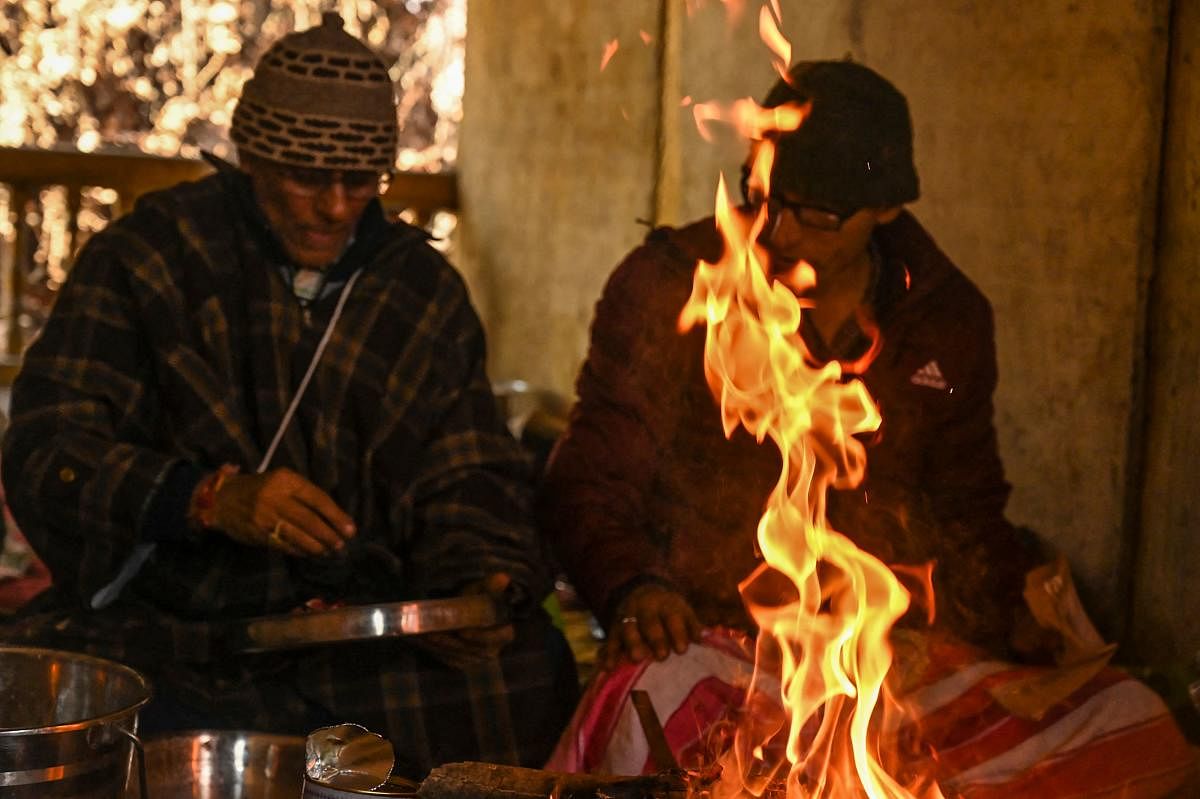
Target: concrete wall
(557,162)
(1038,131)
(1168,554)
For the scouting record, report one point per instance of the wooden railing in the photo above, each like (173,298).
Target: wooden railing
(26,172)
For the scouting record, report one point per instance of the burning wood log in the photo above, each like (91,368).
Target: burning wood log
(471,780)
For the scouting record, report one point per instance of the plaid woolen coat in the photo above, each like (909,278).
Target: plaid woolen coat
(177,343)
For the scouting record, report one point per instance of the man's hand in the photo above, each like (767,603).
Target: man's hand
(652,620)
(281,510)
(473,645)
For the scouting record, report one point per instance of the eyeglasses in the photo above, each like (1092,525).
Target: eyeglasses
(359,184)
(809,216)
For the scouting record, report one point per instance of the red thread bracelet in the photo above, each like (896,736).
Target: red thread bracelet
(204,498)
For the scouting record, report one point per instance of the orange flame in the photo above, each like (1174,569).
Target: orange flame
(747,117)
(768,29)
(830,639)
(824,607)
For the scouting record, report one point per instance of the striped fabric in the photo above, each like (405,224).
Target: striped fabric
(1113,737)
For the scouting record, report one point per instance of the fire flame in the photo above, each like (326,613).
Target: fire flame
(830,639)
(768,29)
(824,607)
(750,119)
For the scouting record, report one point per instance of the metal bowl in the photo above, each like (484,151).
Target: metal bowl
(67,723)
(224,764)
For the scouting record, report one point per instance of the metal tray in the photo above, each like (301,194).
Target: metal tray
(364,622)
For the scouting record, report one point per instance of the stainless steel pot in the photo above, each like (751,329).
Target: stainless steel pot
(68,724)
(224,764)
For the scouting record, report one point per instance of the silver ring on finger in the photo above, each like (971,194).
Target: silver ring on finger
(629,620)
(276,536)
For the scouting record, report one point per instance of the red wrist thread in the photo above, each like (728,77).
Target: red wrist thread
(202,510)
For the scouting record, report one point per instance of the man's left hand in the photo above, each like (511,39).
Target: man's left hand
(652,621)
(473,645)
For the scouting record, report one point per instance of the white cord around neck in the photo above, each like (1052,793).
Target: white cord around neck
(312,367)
(141,553)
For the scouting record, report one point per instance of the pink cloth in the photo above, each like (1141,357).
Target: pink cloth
(1111,737)
(16,590)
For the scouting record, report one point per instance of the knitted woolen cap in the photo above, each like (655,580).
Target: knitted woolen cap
(319,98)
(855,150)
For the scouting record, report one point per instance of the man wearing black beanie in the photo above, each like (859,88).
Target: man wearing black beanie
(653,512)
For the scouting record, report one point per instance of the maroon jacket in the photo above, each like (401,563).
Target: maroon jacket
(644,485)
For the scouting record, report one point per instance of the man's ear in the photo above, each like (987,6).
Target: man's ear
(885,215)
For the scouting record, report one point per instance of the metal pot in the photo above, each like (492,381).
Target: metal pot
(68,724)
(224,764)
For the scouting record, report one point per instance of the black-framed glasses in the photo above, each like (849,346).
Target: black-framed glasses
(810,216)
(359,184)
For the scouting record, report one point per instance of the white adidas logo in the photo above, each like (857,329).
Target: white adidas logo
(929,375)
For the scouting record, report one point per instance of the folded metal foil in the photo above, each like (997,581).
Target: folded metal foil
(348,757)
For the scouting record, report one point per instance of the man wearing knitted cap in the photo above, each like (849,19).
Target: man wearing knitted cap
(653,511)
(256,394)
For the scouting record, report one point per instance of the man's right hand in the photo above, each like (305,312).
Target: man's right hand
(652,620)
(281,510)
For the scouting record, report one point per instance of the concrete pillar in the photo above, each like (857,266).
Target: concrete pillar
(557,165)
(1166,590)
